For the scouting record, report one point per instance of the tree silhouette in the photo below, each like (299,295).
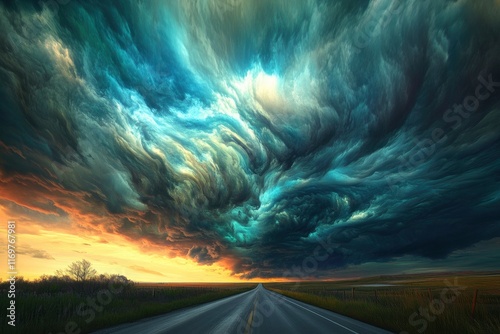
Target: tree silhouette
(79,271)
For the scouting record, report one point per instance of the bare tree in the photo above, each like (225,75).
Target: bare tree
(78,271)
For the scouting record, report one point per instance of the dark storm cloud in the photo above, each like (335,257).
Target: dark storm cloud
(251,132)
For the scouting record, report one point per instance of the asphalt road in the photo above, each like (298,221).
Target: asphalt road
(258,311)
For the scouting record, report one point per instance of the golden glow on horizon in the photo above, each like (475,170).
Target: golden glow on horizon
(40,251)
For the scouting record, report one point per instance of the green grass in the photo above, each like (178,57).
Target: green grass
(51,312)
(392,306)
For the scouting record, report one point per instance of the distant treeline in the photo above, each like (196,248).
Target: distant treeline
(52,284)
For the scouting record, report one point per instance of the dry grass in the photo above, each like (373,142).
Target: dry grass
(402,306)
(42,312)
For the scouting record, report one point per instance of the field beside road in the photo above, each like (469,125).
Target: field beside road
(412,304)
(67,307)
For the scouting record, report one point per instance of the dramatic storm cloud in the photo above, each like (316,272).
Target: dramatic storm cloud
(247,133)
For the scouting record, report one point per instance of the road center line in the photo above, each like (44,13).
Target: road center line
(319,315)
(250,317)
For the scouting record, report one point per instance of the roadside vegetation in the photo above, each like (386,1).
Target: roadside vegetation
(77,300)
(409,304)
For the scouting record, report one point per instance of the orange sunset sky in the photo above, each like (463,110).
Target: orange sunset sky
(42,251)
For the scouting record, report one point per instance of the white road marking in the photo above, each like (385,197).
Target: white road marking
(319,315)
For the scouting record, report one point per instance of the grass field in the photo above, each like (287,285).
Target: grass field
(409,304)
(401,304)
(67,309)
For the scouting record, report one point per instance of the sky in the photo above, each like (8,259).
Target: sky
(251,140)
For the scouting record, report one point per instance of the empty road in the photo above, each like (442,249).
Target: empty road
(258,311)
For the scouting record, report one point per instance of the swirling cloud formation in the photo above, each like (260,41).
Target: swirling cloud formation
(248,133)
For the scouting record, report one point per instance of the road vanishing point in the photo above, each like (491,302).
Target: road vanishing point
(258,311)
